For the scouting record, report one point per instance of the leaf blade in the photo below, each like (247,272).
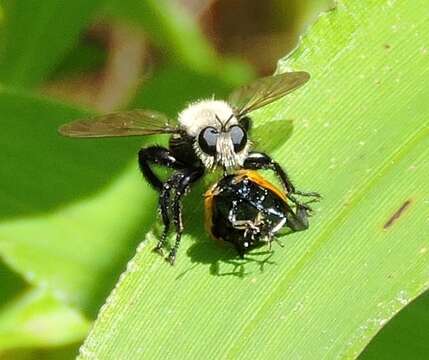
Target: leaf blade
(361,138)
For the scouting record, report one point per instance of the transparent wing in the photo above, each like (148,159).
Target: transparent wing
(266,90)
(271,135)
(126,123)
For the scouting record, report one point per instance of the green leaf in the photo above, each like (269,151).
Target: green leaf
(39,319)
(67,352)
(11,284)
(405,336)
(361,139)
(37,35)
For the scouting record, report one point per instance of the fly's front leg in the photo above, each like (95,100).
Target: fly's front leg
(257,160)
(182,185)
(164,204)
(160,156)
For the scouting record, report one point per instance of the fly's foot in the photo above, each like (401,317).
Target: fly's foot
(308,194)
(305,205)
(299,204)
(171,258)
(159,249)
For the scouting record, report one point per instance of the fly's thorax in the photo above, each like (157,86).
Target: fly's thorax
(182,146)
(204,113)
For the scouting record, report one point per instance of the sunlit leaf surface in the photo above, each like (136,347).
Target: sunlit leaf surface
(361,139)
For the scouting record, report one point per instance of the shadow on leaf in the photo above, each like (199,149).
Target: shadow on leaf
(221,258)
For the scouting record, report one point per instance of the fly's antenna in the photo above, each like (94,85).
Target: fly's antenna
(220,122)
(229,119)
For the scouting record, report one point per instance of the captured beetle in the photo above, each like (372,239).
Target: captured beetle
(247,210)
(208,134)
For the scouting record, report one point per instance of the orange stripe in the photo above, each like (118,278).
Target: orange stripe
(208,209)
(258,179)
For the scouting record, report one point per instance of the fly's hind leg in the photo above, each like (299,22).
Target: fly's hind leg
(308,194)
(160,156)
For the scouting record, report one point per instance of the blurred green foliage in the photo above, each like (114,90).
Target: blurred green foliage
(38,34)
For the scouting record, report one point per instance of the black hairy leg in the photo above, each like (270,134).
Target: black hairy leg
(160,156)
(187,178)
(170,192)
(261,161)
(164,207)
(170,204)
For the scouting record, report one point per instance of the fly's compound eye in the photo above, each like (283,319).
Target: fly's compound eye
(238,137)
(207,140)
(245,122)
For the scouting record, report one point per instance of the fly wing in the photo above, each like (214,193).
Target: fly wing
(126,123)
(266,90)
(263,138)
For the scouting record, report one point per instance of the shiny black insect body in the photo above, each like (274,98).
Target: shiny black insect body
(208,134)
(248,211)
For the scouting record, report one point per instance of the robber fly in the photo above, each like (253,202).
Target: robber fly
(207,134)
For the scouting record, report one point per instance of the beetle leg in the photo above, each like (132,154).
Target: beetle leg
(183,183)
(278,242)
(250,230)
(240,250)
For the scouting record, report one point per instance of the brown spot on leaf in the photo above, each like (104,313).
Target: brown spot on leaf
(397,214)
(387,46)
